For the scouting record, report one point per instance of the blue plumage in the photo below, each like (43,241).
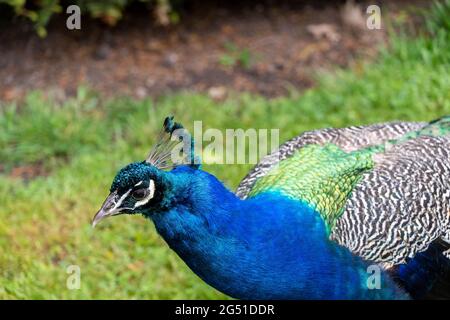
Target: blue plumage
(252,249)
(427,271)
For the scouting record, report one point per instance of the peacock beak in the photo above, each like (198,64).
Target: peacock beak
(108,209)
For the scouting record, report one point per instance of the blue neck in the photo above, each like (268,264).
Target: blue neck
(267,247)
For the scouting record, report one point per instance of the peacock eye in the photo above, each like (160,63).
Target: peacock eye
(140,194)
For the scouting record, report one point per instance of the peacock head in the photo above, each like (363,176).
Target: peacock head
(145,187)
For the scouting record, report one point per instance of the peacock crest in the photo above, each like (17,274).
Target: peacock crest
(174,147)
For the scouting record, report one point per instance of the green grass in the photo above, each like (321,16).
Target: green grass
(45,222)
(236,56)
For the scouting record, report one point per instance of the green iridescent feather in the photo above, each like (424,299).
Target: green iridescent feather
(323,176)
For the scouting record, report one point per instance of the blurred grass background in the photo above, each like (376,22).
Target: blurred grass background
(81,143)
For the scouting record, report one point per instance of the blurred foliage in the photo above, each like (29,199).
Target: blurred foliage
(40,11)
(439,18)
(44,222)
(236,56)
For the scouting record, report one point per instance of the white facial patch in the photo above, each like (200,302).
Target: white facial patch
(151,193)
(119,202)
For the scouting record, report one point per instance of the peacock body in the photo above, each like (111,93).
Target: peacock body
(317,219)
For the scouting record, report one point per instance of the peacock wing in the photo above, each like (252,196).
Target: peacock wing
(348,139)
(396,210)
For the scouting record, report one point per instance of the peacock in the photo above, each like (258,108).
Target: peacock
(361,212)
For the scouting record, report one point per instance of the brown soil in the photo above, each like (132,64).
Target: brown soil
(288,44)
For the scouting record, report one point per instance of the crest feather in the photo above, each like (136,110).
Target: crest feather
(172,134)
